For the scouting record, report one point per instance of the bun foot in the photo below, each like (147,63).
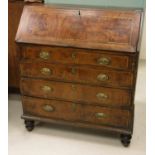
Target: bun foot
(29,125)
(125,139)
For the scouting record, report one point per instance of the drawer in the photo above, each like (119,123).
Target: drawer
(80,74)
(78,56)
(50,109)
(69,111)
(107,116)
(75,92)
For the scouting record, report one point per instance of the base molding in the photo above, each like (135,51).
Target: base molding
(125,136)
(105,129)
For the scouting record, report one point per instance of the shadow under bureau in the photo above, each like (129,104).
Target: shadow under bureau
(78,66)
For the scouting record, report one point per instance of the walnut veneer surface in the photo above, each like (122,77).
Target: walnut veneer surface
(78,66)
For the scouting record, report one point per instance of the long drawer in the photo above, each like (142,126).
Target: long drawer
(78,56)
(76,112)
(75,92)
(81,74)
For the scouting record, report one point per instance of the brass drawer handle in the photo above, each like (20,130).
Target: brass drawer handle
(102,77)
(73,55)
(47,89)
(46,71)
(48,108)
(100,115)
(44,55)
(103,61)
(101,96)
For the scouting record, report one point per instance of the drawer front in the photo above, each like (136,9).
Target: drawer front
(70,73)
(77,56)
(50,109)
(104,116)
(75,92)
(69,111)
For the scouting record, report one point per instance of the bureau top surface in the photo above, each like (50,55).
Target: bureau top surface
(105,29)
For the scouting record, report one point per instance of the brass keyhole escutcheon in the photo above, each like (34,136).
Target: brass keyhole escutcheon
(46,71)
(44,55)
(74,106)
(73,55)
(73,87)
(73,70)
(103,61)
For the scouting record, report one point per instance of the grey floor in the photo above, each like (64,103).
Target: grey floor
(48,139)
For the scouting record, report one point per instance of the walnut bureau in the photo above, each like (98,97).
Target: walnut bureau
(78,66)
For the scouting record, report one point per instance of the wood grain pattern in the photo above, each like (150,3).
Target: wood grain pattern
(75,92)
(78,56)
(74,73)
(82,113)
(96,29)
